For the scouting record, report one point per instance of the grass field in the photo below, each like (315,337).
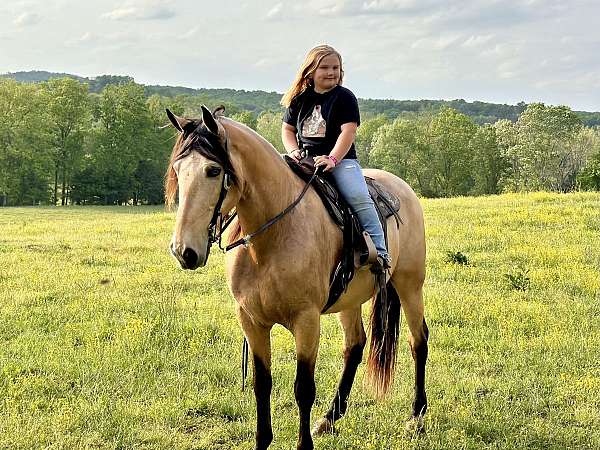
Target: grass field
(106,343)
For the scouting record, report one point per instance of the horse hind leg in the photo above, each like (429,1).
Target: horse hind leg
(412,304)
(354,344)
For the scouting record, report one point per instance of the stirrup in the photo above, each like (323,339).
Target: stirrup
(382,264)
(366,258)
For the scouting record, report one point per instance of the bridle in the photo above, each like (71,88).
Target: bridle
(219,223)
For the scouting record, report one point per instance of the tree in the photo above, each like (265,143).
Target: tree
(148,176)
(121,139)
(67,108)
(506,140)
(544,152)
(247,118)
(24,149)
(449,156)
(489,163)
(269,127)
(589,177)
(394,147)
(365,135)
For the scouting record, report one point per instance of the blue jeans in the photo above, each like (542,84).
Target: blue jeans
(351,183)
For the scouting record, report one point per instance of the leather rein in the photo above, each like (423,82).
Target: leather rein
(219,223)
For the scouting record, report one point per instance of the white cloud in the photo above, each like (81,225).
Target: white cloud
(27,19)
(192,32)
(510,68)
(84,39)
(330,7)
(501,49)
(105,41)
(443,42)
(435,43)
(589,81)
(275,11)
(567,39)
(121,13)
(567,58)
(477,41)
(141,10)
(265,63)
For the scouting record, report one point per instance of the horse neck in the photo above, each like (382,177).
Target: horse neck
(268,185)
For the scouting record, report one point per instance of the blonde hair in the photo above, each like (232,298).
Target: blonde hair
(307,69)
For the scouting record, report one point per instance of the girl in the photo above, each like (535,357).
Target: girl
(321,118)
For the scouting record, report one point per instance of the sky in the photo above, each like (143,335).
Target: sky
(494,51)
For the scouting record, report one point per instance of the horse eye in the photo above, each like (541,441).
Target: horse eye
(213,171)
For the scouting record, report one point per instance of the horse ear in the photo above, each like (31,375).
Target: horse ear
(178,122)
(209,121)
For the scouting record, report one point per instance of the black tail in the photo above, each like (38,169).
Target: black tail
(385,328)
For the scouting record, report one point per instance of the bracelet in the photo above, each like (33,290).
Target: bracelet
(334,159)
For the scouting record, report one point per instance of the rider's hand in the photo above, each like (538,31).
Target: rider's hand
(296,155)
(325,162)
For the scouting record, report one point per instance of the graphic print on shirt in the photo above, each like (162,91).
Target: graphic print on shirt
(315,125)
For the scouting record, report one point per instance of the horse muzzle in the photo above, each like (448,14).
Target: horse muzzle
(188,258)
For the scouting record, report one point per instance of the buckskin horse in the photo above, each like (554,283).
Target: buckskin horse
(282,273)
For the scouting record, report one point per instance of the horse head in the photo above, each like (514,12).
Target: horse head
(200,175)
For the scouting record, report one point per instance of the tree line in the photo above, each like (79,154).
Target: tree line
(62,144)
(445,153)
(260,101)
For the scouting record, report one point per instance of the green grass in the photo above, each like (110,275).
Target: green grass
(105,343)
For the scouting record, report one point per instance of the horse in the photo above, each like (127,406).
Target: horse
(282,274)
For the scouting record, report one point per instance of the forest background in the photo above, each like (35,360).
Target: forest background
(71,140)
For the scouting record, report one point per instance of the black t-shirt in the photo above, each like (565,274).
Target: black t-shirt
(318,118)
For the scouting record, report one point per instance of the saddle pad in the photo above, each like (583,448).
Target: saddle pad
(386,203)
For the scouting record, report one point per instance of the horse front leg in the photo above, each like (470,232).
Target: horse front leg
(306,331)
(259,340)
(354,344)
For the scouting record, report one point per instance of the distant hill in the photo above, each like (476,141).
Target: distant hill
(259,101)
(96,84)
(37,76)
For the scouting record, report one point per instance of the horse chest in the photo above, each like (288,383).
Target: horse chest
(274,292)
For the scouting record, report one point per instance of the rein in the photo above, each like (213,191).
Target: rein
(224,223)
(219,224)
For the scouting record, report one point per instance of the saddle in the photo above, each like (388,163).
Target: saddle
(358,248)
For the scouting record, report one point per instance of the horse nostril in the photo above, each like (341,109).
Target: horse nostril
(190,257)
